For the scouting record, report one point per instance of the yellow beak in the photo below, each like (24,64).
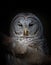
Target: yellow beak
(25,32)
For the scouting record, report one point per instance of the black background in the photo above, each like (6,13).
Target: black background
(10,8)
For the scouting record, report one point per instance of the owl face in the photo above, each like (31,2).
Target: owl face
(25,28)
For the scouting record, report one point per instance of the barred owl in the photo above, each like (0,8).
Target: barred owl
(27,37)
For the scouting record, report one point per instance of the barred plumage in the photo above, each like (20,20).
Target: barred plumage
(26,31)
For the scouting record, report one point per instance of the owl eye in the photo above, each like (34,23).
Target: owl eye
(19,24)
(31,24)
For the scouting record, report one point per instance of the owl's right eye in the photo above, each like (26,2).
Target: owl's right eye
(19,24)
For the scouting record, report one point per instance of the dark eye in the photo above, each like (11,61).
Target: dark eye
(31,24)
(19,24)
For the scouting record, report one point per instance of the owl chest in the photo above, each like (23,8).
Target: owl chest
(32,57)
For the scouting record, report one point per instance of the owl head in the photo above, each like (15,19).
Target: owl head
(25,29)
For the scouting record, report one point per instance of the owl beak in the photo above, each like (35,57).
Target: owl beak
(25,33)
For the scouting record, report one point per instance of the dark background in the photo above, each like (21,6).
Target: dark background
(10,8)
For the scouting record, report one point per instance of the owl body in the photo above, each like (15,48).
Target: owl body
(26,32)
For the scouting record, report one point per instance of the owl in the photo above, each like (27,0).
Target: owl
(26,32)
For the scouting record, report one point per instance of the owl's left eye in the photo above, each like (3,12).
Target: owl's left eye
(31,24)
